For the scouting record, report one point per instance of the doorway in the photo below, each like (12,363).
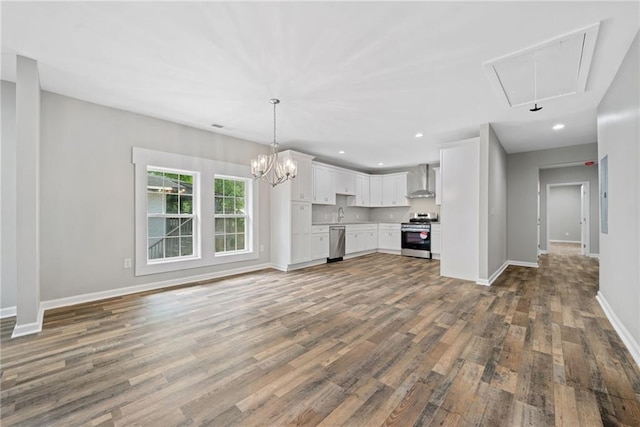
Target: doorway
(567,217)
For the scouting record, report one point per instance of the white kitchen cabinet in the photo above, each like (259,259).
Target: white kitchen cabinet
(375,191)
(345,182)
(291,216)
(394,190)
(389,237)
(301,185)
(320,242)
(300,232)
(323,185)
(361,237)
(438,185)
(361,198)
(435,240)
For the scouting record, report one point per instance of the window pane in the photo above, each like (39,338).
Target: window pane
(173,226)
(186,246)
(229,187)
(155,202)
(230,242)
(228,205)
(219,246)
(186,204)
(239,188)
(219,225)
(172,203)
(240,242)
(230,225)
(219,187)
(240,226)
(172,247)
(187,184)
(172,176)
(156,248)
(219,205)
(156,227)
(239,206)
(186,227)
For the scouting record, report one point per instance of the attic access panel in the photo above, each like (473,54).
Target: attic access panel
(554,68)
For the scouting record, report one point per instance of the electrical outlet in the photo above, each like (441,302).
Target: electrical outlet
(261,248)
(566,234)
(357,216)
(127,263)
(326,216)
(390,216)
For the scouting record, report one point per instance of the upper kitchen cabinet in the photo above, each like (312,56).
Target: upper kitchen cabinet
(301,185)
(389,190)
(362,197)
(438,186)
(345,182)
(323,185)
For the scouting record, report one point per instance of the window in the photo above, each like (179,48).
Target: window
(173,194)
(231,219)
(170,215)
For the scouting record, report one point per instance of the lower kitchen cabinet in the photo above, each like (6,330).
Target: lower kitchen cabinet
(361,237)
(320,242)
(389,237)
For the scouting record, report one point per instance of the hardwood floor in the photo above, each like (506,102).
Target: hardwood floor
(565,248)
(376,340)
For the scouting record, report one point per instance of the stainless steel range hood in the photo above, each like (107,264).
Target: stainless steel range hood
(419,183)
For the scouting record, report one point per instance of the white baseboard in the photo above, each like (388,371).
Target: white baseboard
(565,241)
(389,251)
(494,276)
(7,312)
(623,333)
(542,252)
(29,328)
(523,263)
(594,256)
(36,327)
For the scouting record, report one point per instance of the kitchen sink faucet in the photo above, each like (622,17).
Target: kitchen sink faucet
(340,214)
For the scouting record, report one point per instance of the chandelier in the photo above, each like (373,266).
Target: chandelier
(270,168)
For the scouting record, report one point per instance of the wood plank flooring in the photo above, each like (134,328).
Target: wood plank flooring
(376,340)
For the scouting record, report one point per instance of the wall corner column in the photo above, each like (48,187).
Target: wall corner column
(28,312)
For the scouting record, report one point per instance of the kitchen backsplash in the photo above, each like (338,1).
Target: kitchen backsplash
(329,213)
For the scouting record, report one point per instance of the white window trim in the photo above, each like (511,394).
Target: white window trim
(206,171)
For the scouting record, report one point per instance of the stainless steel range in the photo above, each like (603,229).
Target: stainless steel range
(416,235)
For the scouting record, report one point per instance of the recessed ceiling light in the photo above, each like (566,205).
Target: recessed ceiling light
(419,135)
(215,125)
(380,164)
(341,152)
(558,126)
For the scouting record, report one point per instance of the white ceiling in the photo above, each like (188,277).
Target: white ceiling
(358,77)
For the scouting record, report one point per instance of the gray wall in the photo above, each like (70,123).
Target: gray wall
(522,198)
(568,175)
(564,209)
(619,140)
(9,180)
(87,197)
(494,211)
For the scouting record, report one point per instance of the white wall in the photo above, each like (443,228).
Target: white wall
(619,140)
(87,197)
(460,169)
(567,175)
(522,195)
(564,213)
(492,213)
(9,182)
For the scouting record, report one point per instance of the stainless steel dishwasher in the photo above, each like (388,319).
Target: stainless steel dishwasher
(336,243)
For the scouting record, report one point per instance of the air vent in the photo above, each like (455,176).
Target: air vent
(554,68)
(215,125)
